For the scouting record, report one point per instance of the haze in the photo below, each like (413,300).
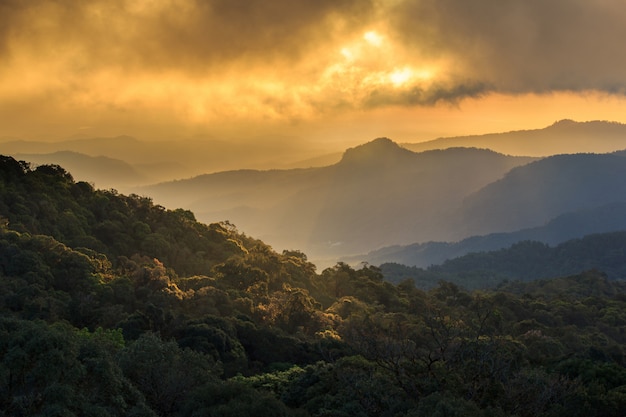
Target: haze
(316,76)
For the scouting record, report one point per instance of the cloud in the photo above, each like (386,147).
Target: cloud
(201,58)
(521,46)
(186,35)
(208,61)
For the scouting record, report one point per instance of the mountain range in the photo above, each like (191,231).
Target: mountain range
(378,196)
(564,136)
(157,161)
(111,305)
(379,193)
(531,195)
(567,226)
(164,160)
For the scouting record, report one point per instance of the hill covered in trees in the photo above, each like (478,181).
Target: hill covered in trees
(378,194)
(113,305)
(572,225)
(523,261)
(531,195)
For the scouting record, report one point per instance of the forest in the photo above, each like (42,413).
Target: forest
(524,260)
(111,305)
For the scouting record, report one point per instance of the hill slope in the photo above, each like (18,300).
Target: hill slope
(102,171)
(92,323)
(565,136)
(607,218)
(531,195)
(524,260)
(378,194)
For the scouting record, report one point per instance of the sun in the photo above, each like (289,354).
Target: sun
(401,76)
(373,38)
(407,75)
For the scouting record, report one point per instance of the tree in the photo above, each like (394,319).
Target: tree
(164,373)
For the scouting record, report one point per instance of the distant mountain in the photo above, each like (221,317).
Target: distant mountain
(175,159)
(525,260)
(533,194)
(565,136)
(607,218)
(102,171)
(89,146)
(318,161)
(378,194)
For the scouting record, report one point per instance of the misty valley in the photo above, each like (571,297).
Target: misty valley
(464,276)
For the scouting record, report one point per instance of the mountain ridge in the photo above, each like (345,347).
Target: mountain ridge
(346,206)
(103,171)
(532,194)
(565,136)
(567,226)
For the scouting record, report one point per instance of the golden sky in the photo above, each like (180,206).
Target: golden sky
(339,72)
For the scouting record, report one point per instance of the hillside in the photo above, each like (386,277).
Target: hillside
(165,160)
(111,305)
(607,218)
(523,260)
(565,136)
(102,171)
(531,195)
(378,194)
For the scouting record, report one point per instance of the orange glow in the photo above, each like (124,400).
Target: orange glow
(163,68)
(373,38)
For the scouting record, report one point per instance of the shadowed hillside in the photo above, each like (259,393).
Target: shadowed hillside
(608,218)
(523,261)
(102,171)
(111,305)
(378,194)
(532,195)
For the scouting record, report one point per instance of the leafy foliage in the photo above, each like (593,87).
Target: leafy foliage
(110,305)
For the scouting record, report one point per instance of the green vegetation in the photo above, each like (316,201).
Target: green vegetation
(525,260)
(113,306)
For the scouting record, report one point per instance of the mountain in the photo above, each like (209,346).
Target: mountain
(111,305)
(102,171)
(165,160)
(525,261)
(90,146)
(565,136)
(607,218)
(533,194)
(378,194)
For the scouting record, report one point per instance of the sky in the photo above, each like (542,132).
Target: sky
(335,72)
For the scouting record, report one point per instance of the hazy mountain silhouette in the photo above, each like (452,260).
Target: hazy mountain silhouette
(378,194)
(102,171)
(565,136)
(531,195)
(606,218)
(175,159)
(149,162)
(88,146)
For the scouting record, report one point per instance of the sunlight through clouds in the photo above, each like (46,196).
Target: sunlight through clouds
(401,76)
(216,61)
(373,38)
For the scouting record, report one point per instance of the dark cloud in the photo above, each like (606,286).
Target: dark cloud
(430,95)
(187,35)
(283,58)
(521,46)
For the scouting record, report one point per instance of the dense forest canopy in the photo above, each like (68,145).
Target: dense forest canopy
(112,305)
